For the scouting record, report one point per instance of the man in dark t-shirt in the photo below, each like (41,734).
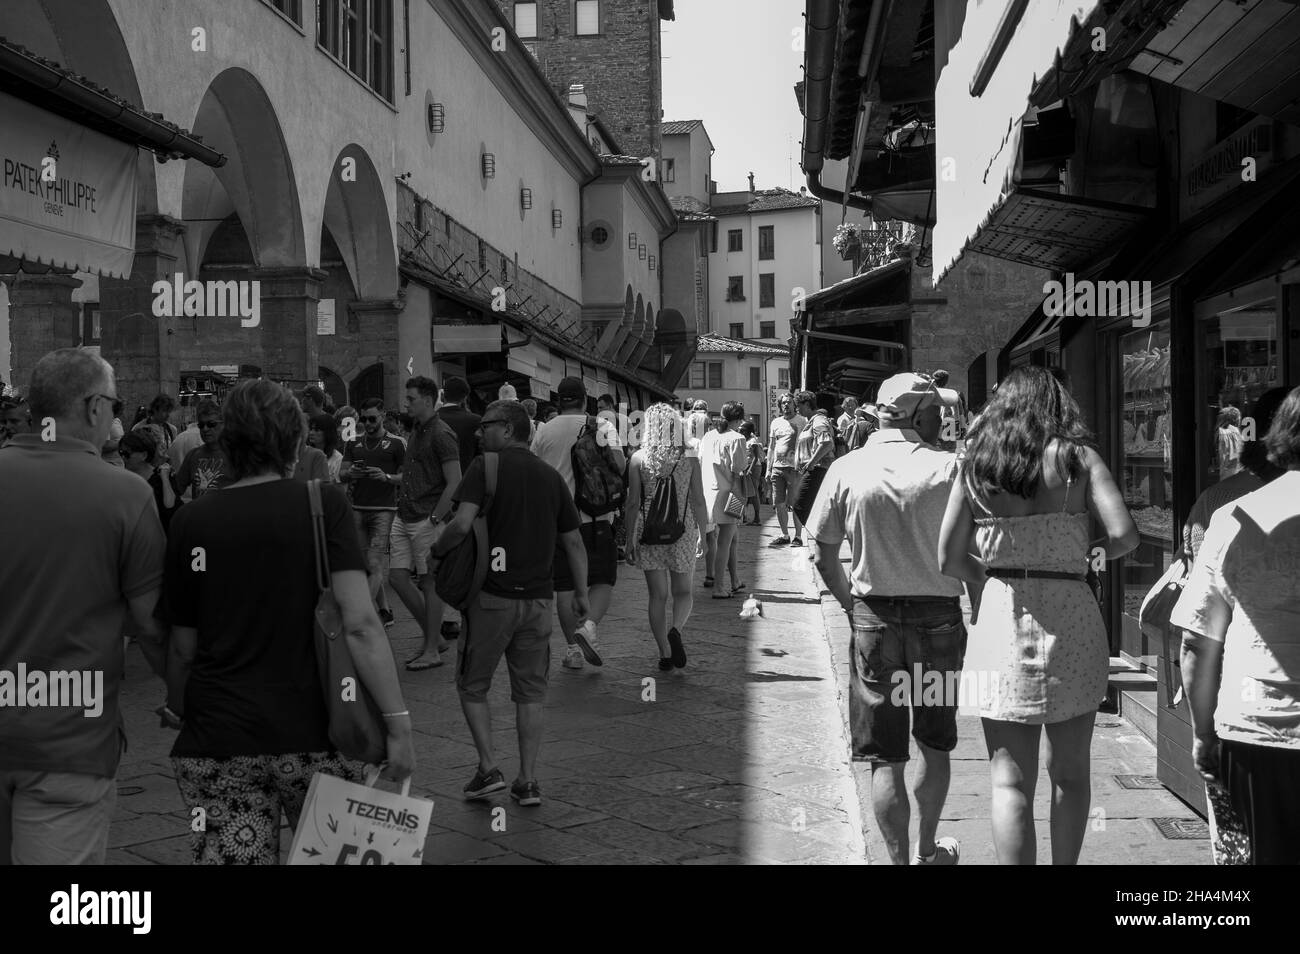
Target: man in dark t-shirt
(372,466)
(205,468)
(530,511)
(463,422)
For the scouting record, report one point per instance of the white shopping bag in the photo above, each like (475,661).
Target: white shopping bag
(344,823)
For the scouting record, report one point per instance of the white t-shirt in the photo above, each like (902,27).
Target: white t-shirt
(782,436)
(554,442)
(1249,571)
(721,455)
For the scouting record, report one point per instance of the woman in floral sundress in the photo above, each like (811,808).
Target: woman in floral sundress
(669,567)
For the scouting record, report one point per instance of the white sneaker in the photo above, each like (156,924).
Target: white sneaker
(947,851)
(585,635)
(573,658)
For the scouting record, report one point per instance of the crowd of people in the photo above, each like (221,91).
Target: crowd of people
(198,545)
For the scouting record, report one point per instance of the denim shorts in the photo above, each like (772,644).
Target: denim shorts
(905,652)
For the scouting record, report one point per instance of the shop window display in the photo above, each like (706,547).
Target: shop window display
(1242,361)
(1146,473)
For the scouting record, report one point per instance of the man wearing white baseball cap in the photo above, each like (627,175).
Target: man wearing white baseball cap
(889,502)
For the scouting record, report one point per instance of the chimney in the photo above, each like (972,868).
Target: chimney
(751,182)
(578,95)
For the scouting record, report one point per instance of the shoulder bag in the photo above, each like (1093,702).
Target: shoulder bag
(461,572)
(356,728)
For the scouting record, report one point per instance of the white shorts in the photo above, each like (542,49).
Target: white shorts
(409,545)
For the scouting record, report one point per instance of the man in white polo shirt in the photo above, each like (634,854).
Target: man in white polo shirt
(905,614)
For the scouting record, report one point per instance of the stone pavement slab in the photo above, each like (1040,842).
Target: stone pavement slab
(740,758)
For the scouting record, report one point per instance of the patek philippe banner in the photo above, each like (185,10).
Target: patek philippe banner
(67,196)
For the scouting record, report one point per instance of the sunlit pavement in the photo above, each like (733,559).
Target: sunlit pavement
(741,758)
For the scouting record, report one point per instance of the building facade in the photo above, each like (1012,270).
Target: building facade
(729,369)
(420,212)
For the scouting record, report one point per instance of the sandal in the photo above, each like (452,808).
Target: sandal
(781,540)
(737,587)
(708,582)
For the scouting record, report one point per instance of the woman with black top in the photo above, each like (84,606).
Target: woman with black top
(139,452)
(240,592)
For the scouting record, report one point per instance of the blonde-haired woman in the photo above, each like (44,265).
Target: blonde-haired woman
(669,566)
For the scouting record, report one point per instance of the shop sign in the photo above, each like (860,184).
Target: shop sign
(452,339)
(1238,159)
(67,193)
(325,316)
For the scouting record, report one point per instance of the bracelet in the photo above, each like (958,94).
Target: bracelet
(395,715)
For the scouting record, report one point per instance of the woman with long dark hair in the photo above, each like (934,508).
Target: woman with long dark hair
(323,434)
(1017,524)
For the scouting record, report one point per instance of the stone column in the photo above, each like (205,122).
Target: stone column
(137,344)
(290,351)
(374,322)
(42,317)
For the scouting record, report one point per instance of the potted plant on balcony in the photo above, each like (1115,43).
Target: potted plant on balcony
(847,240)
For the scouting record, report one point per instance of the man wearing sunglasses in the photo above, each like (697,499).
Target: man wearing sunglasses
(205,468)
(372,466)
(82,545)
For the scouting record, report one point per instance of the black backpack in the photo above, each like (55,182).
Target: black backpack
(663,522)
(462,571)
(598,486)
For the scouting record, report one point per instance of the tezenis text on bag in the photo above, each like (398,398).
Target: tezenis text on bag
(381,813)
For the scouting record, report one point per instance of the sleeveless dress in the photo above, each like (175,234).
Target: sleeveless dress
(679,556)
(1041,643)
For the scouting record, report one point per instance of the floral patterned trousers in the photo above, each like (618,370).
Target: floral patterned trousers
(235,803)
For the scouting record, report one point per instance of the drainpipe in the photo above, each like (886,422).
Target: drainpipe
(823,22)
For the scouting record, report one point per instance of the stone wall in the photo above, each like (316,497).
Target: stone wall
(984,301)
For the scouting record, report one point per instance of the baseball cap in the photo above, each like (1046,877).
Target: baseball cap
(904,394)
(572,389)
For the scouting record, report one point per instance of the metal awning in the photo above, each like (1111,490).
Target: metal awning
(981,95)
(858,289)
(1052,231)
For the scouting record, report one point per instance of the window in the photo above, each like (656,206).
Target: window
(670,170)
(767,329)
(359,35)
(767,291)
(755,379)
(736,288)
(706,375)
(526,20)
(713,237)
(767,241)
(290,8)
(735,240)
(783,379)
(586,17)
(599,235)
(737,329)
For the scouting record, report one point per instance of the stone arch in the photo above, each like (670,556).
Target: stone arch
(638,318)
(84,37)
(257,184)
(335,387)
(357,217)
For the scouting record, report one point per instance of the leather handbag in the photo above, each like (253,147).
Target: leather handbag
(735,506)
(1158,604)
(356,727)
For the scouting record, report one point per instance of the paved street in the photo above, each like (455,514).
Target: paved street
(741,758)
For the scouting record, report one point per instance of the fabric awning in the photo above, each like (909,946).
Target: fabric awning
(67,197)
(978,137)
